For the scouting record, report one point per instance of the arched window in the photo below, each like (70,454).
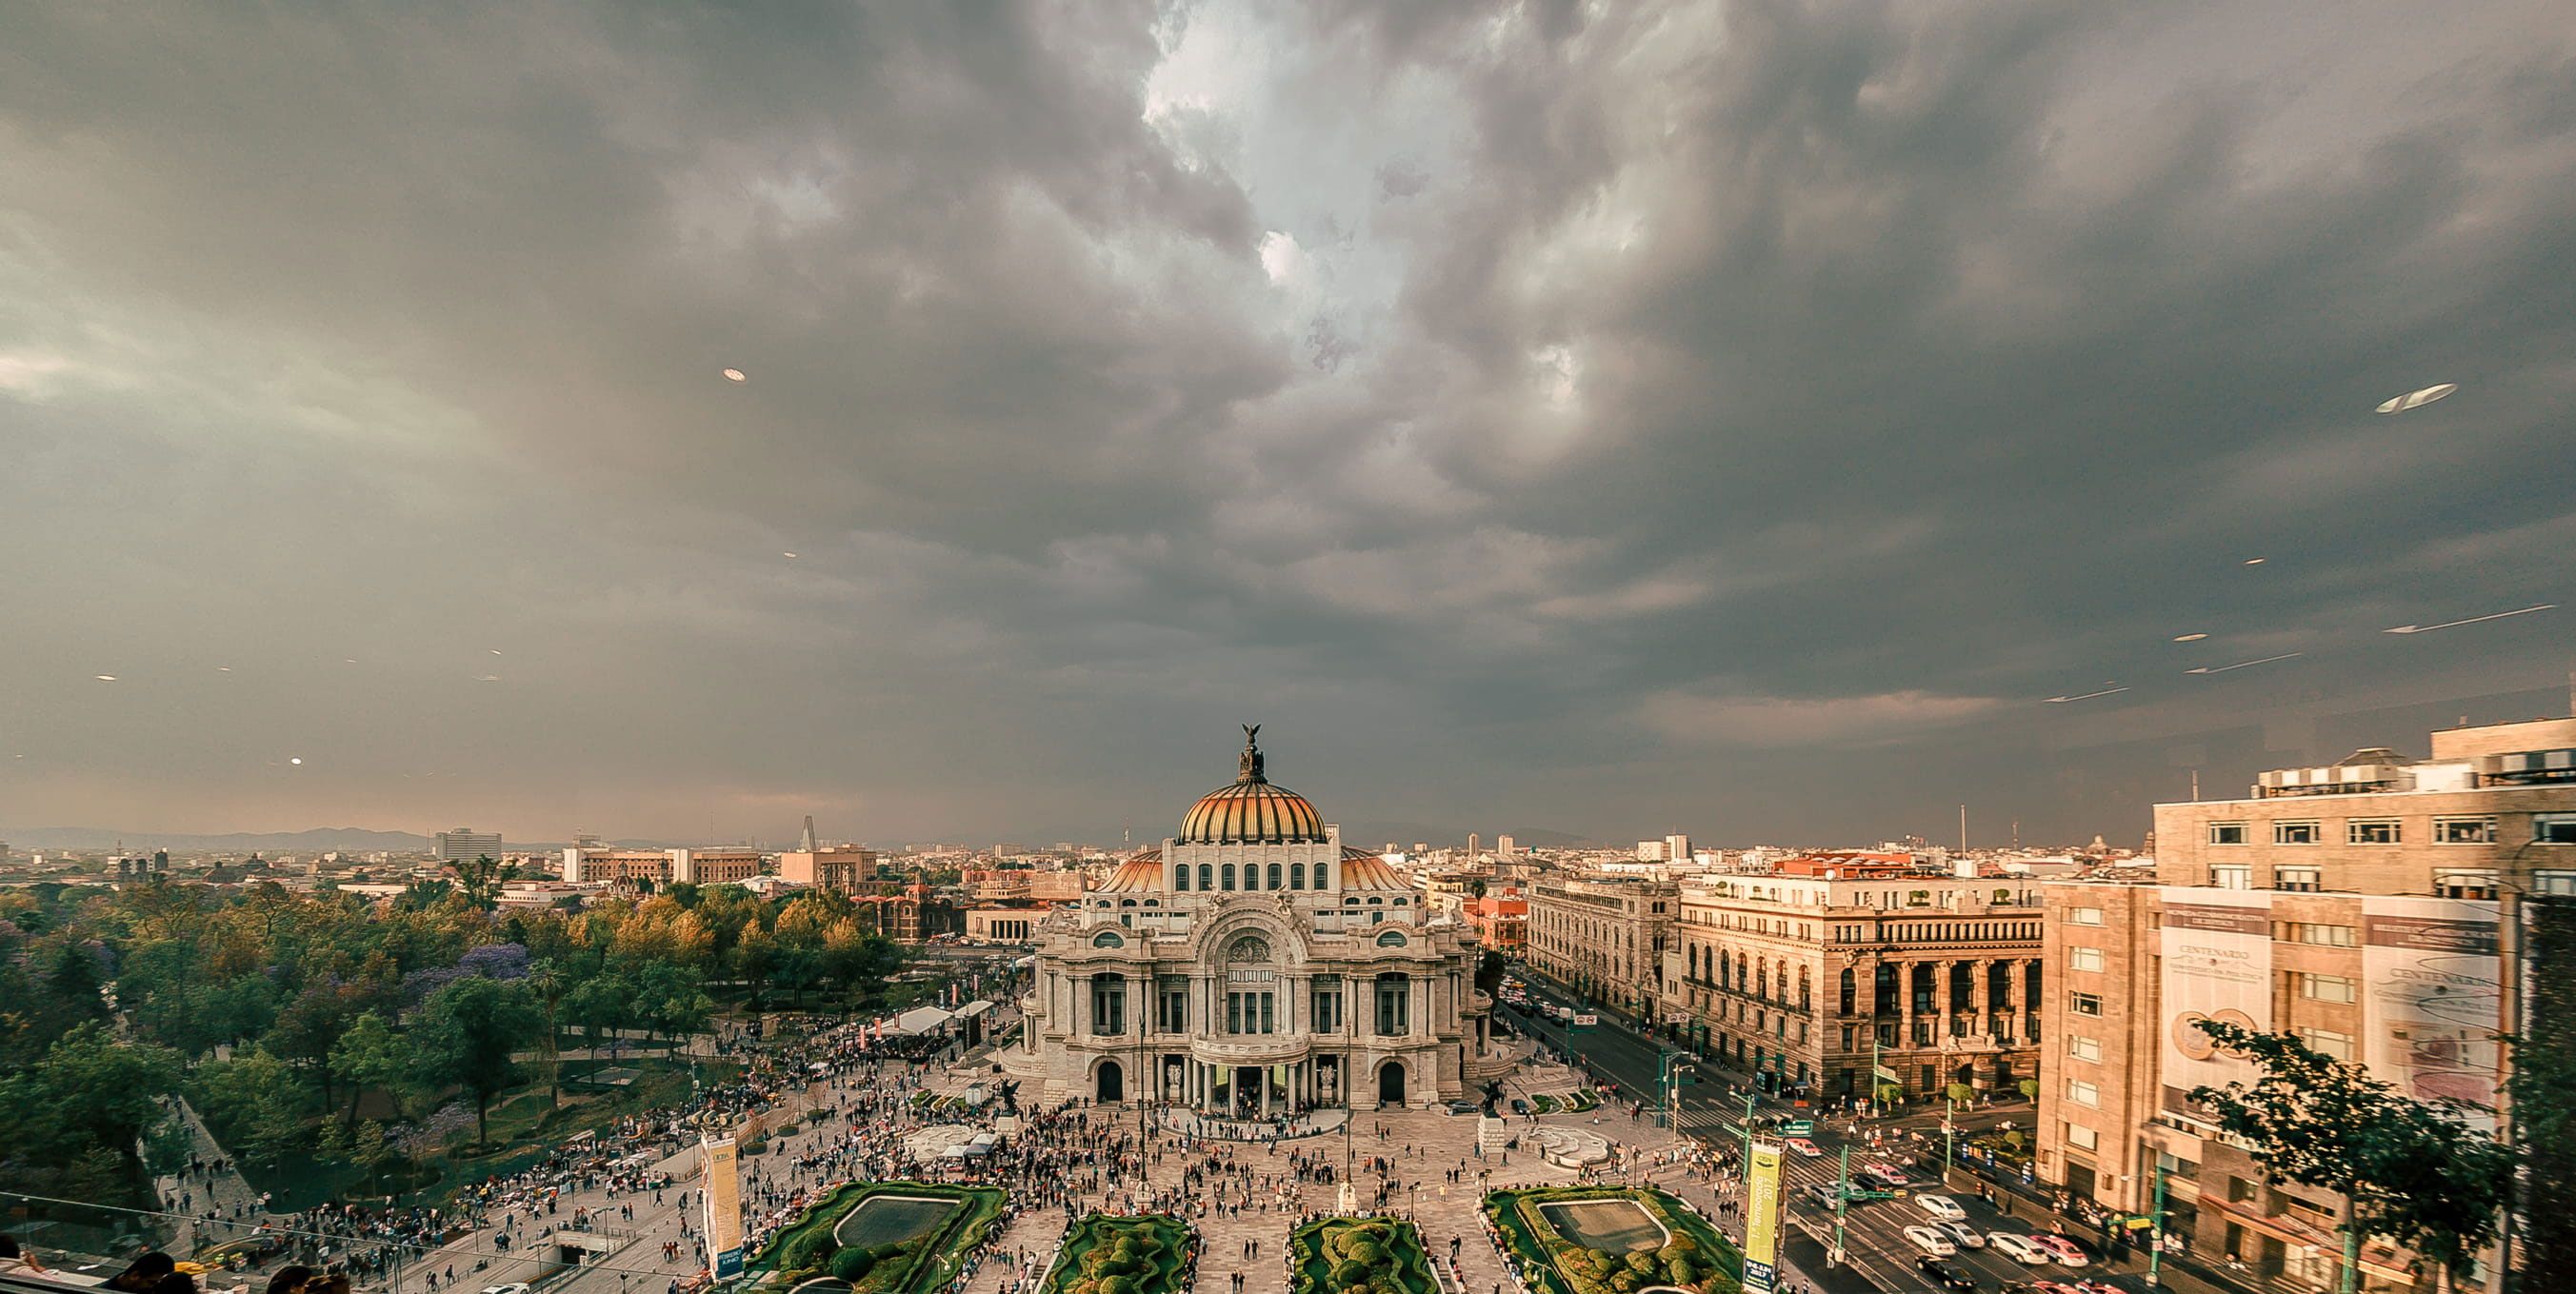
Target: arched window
(1274,876)
(1180,876)
(1226,877)
(1205,876)
(1108,939)
(1391,939)
(1323,876)
(1296,876)
(1851,989)
(1802,988)
(1126,903)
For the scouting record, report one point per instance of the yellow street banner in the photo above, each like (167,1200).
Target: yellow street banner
(1762,1219)
(723,1199)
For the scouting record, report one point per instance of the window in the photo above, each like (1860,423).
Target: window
(1107,939)
(1391,939)
(2083,1093)
(2303,832)
(2084,916)
(2083,1048)
(1108,1005)
(2317,933)
(1205,872)
(2465,885)
(2084,1003)
(1296,876)
(2227,833)
(1274,876)
(1251,1013)
(2236,876)
(2371,831)
(1394,1005)
(2081,1137)
(1228,876)
(1172,1007)
(2464,831)
(2084,959)
(1327,1006)
(2332,1043)
(2554,828)
(2326,988)
(2307,880)
(1180,876)
(2556,881)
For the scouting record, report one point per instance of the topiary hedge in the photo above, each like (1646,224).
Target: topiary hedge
(1360,1256)
(1122,1255)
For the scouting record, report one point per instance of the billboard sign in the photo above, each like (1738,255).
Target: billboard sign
(2217,947)
(2434,1000)
(723,1199)
(1762,1219)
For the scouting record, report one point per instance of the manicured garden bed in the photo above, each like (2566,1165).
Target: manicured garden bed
(1106,1254)
(885,1237)
(1610,1240)
(1360,1256)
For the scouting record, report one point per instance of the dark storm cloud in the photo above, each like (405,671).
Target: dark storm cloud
(1612,417)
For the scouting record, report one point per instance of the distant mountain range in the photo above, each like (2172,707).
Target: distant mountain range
(316,840)
(1369,835)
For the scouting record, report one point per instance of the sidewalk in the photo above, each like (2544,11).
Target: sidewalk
(197,1194)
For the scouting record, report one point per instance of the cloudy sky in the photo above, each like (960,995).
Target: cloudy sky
(1607,418)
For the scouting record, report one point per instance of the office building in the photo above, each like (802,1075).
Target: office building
(2364,906)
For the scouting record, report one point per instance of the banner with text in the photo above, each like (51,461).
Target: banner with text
(2217,947)
(2435,999)
(723,1199)
(1762,1219)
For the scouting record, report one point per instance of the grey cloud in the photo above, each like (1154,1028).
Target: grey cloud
(1664,408)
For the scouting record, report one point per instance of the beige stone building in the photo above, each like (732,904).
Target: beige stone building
(1604,936)
(2365,906)
(1807,973)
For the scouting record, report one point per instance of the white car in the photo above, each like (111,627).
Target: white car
(2018,1247)
(1941,1207)
(1804,1147)
(1888,1173)
(505,1289)
(1931,1242)
(1965,1236)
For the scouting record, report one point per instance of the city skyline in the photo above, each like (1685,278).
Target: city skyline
(1739,422)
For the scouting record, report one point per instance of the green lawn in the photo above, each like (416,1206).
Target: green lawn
(1361,1256)
(1696,1258)
(805,1248)
(1122,1255)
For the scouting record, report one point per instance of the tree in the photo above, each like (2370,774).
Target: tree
(369,1055)
(79,1114)
(467,1033)
(2407,1170)
(369,1148)
(2544,1090)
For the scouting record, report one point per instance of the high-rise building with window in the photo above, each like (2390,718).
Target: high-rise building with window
(464,845)
(2367,906)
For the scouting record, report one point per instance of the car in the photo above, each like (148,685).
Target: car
(512,1288)
(2016,1246)
(1873,1179)
(1804,1147)
(1943,1275)
(1941,1207)
(1967,1237)
(1825,1194)
(1890,1174)
(1519,1106)
(1462,1107)
(2065,1251)
(1930,1241)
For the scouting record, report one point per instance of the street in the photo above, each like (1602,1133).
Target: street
(1877,1255)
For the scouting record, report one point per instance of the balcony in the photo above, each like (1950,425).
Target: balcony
(1250,1049)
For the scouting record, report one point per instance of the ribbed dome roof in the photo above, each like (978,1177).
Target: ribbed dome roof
(1252,811)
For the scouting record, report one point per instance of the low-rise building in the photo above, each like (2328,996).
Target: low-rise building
(1604,936)
(1835,963)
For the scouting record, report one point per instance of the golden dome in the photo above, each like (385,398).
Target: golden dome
(1252,811)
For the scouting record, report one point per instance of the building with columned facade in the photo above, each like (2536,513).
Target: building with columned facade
(1808,974)
(1254,966)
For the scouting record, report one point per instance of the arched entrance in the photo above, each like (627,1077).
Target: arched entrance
(1113,1083)
(1390,1083)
